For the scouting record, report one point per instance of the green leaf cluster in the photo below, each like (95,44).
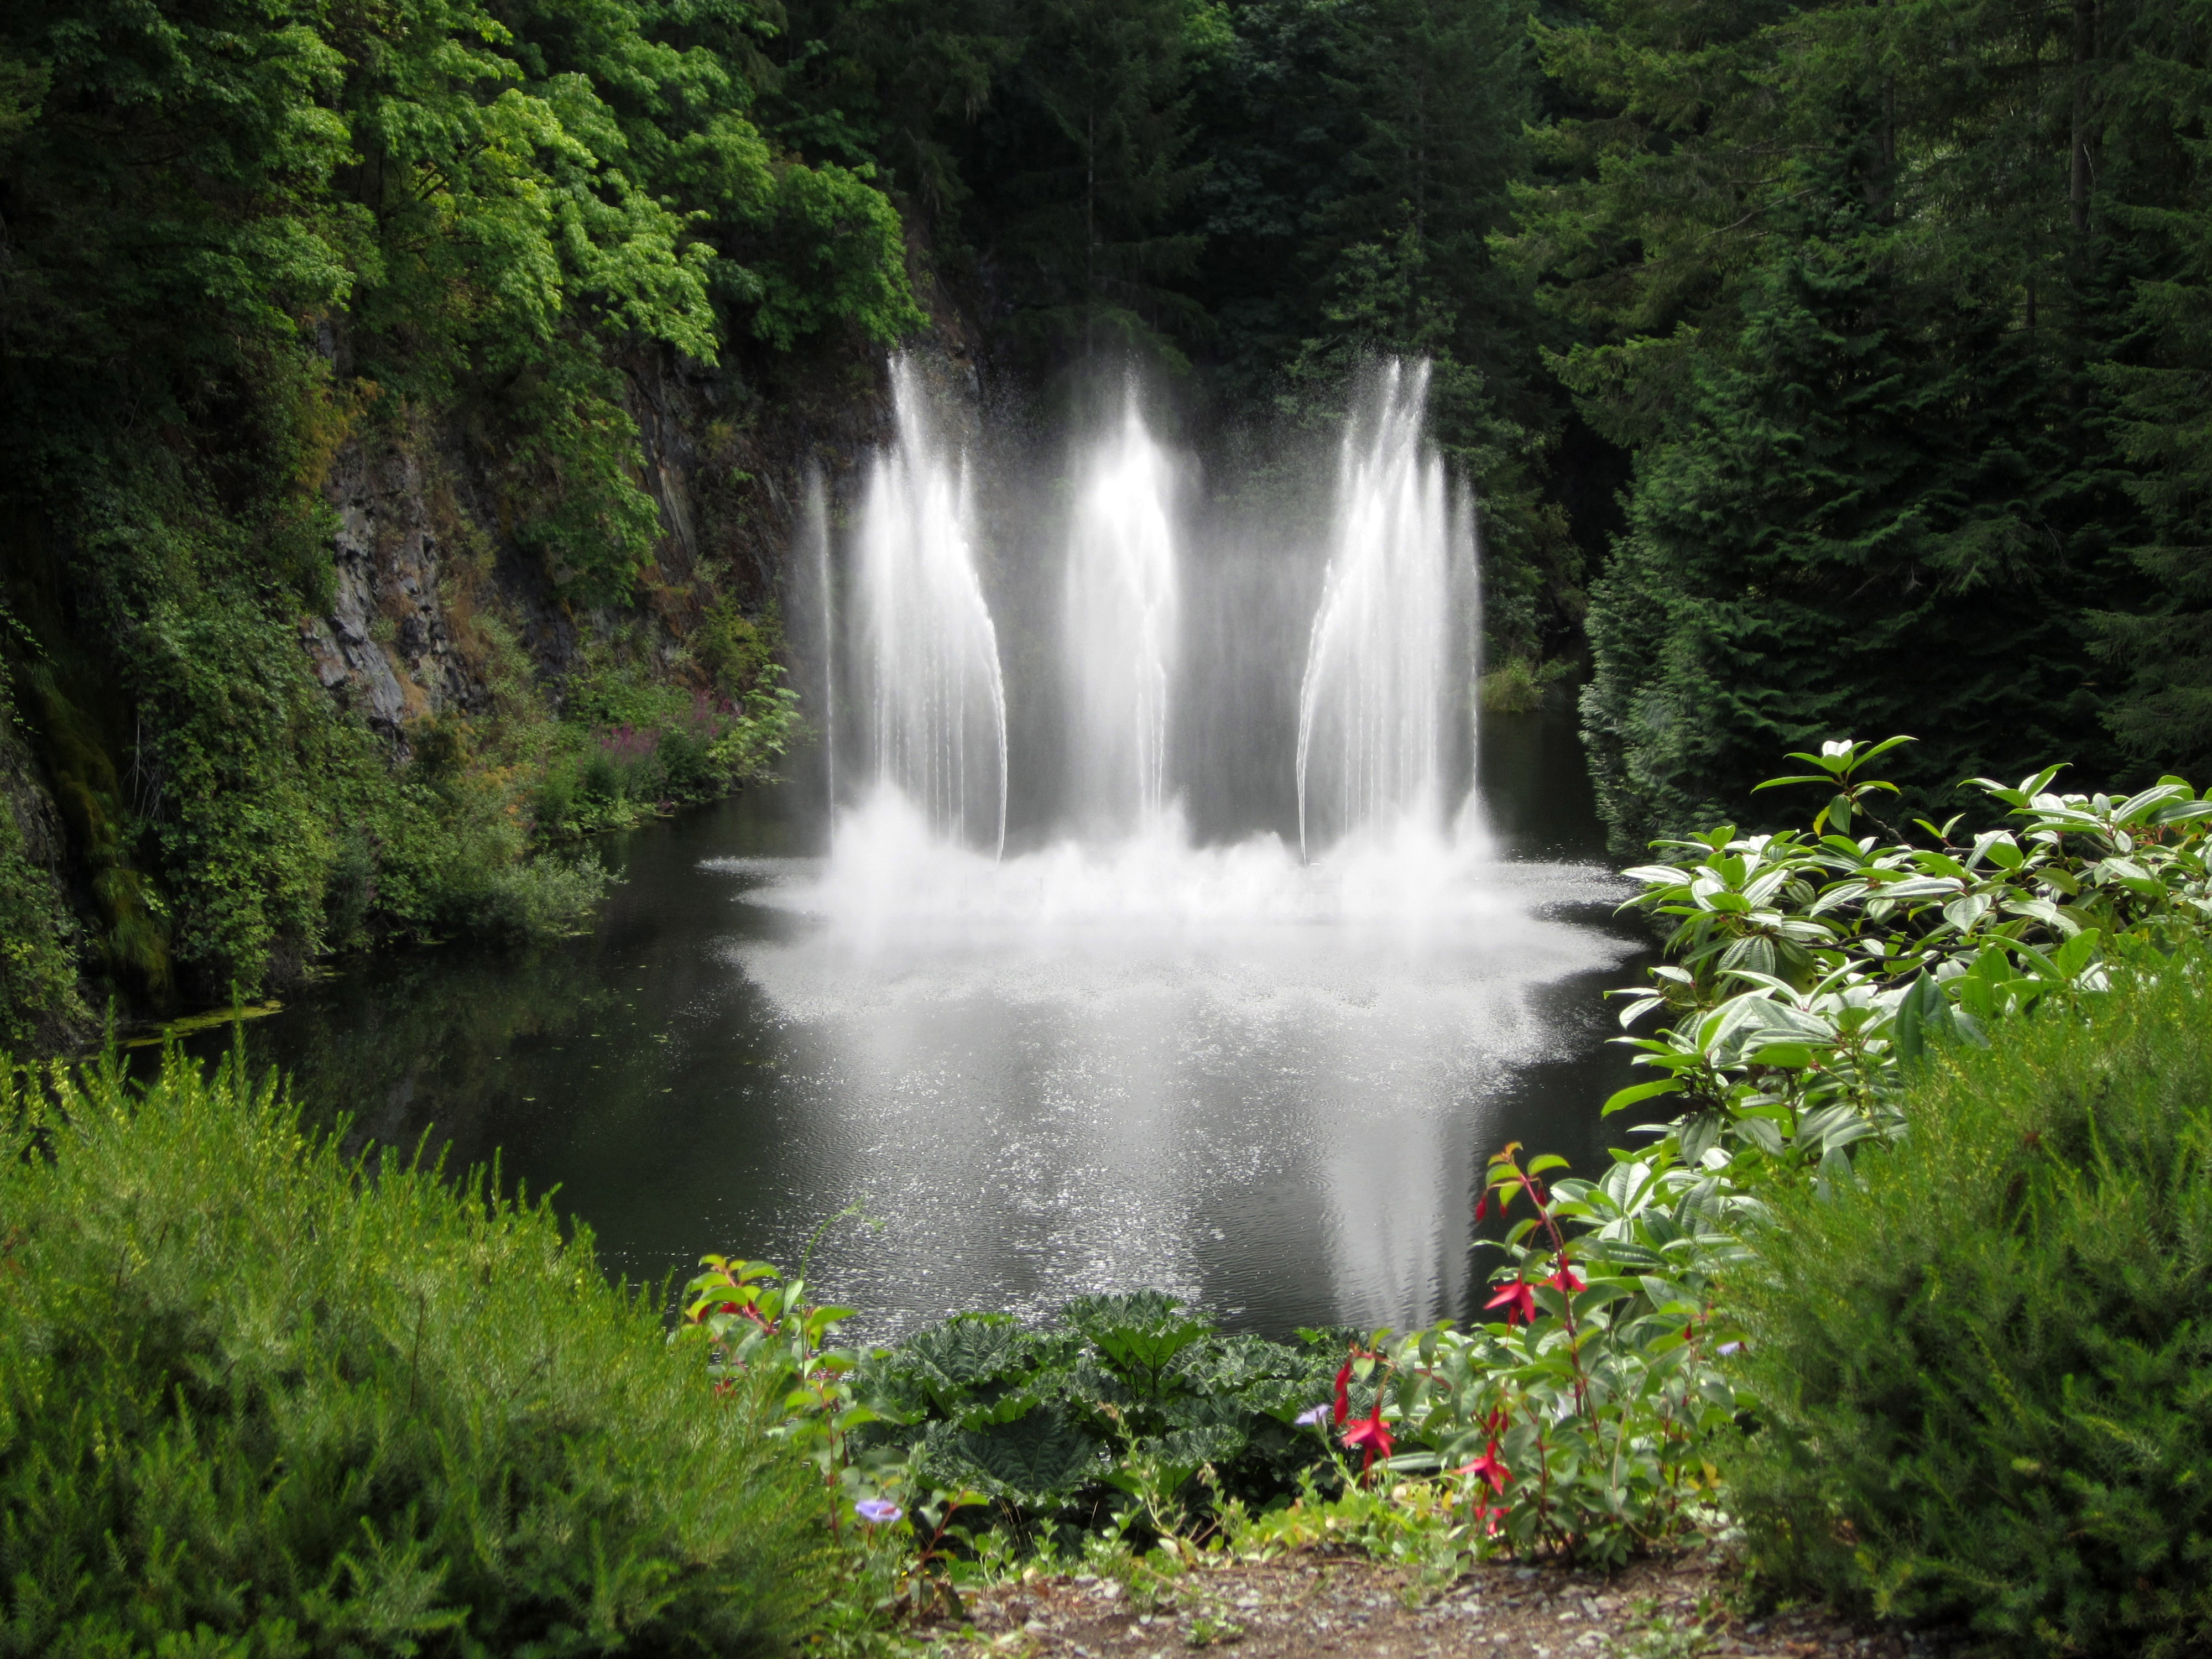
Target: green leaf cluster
(1129,1403)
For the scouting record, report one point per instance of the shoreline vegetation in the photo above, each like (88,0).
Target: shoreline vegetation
(1903,1312)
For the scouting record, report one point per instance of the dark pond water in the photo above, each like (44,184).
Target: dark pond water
(1284,1121)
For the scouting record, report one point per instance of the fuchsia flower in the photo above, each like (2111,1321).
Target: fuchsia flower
(1371,1433)
(1489,1468)
(1519,1301)
(1343,1391)
(1566,1278)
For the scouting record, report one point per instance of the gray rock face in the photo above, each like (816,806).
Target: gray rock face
(386,647)
(421,548)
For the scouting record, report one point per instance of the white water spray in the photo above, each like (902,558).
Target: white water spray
(1376,706)
(1120,632)
(935,700)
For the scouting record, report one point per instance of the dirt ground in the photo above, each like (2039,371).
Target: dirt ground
(1310,1603)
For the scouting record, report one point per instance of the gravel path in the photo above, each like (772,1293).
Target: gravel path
(1310,1602)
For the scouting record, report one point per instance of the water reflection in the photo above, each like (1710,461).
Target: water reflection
(1284,1119)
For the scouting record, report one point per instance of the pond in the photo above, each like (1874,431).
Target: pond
(1280,1107)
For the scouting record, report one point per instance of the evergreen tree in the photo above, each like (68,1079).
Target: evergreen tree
(1977,159)
(1838,539)
(1078,169)
(2161,650)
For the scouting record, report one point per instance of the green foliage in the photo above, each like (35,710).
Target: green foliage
(2162,715)
(1841,534)
(1847,278)
(1580,1423)
(242,238)
(1981,1361)
(39,995)
(256,1398)
(1124,1404)
(632,744)
(1813,978)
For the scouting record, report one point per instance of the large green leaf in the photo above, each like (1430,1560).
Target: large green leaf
(1037,1462)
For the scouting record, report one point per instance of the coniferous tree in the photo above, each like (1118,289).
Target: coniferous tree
(1832,541)
(2161,650)
(1984,154)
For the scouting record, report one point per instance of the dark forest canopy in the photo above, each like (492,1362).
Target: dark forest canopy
(1823,367)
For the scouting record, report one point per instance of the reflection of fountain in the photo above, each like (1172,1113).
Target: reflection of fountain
(1120,622)
(935,701)
(1377,700)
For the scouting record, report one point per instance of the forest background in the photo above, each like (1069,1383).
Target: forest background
(405,403)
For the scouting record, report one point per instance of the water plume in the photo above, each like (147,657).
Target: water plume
(1120,621)
(1376,706)
(935,700)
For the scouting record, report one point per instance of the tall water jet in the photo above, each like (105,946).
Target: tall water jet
(1375,709)
(1120,630)
(935,701)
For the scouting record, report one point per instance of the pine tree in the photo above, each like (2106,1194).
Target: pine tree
(1841,539)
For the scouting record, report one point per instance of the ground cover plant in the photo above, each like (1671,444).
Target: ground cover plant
(256,1400)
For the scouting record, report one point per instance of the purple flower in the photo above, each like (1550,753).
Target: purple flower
(1729,1347)
(878,1511)
(1314,1417)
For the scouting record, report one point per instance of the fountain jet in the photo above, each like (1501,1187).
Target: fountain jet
(1376,706)
(1120,629)
(934,699)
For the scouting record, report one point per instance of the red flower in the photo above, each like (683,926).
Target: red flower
(1369,1432)
(1482,1207)
(727,1307)
(1565,1277)
(1489,1468)
(1343,1392)
(1519,1301)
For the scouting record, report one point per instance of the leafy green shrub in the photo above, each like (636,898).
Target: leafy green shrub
(1984,1362)
(1119,1416)
(258,1399)
(539,899)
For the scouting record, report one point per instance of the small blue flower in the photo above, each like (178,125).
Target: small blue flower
(878,1511)
(1314,1417)
(1729,1347)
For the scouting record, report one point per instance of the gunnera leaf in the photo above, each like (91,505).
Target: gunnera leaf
(1137,1335)
(968,1351)
(1039,1462)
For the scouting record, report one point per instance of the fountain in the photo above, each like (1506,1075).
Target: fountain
(1121,627)
(1091,1060)
(1377,703)
(935,702)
